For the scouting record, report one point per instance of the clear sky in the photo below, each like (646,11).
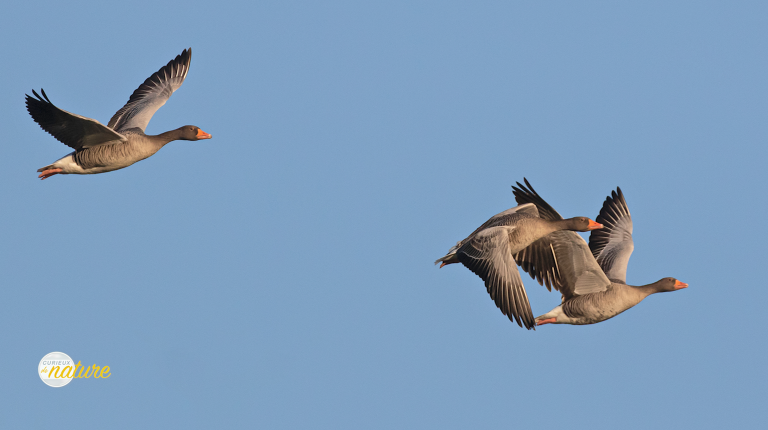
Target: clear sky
(280,275)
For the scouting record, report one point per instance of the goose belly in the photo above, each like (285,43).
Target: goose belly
(100,159)
(67,165)
(595,308)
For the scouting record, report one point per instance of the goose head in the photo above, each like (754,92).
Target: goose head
(669,284)
(582,223)
(191,132)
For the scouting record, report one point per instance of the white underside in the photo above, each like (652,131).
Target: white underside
(556,313)
(68,166)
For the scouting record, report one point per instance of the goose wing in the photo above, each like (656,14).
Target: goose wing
(508,216)
(152,94)
(561,260)
(75,131)
(488,255)
(502,218)
(612,245)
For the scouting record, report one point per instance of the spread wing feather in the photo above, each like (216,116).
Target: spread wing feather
(487,254)
(612,245)
(152,94)
(561,260)
(75,131)
(502,218)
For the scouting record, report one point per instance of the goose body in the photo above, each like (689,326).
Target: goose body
(489,250)
(596,307)
(591,278)
(122,142)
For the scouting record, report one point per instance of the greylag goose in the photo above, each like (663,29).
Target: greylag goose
(122,142)
(488,253)
(591,279)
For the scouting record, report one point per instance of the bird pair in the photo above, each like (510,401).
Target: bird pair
(122,142)
(591,278)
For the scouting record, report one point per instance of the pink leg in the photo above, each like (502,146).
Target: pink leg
(546,321)
(48,173)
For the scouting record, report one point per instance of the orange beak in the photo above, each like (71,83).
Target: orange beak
(680,285)
(594,225)
(202,135)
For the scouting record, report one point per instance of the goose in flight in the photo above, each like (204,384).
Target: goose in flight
(122,142)
(489,249)
(591,279)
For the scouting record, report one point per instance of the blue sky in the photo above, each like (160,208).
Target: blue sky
(280,275)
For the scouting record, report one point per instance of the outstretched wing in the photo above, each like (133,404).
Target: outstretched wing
(488,255)
(560,260)
(612,245)
(152,94)
(502,218)
(525,194)
(499,219)
(538,259)
(579,272)
(75,131)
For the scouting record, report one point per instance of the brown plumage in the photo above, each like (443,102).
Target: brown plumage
(562,260)
(489,249)
(99,148)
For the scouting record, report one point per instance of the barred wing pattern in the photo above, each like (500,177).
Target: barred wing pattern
(561,260)
(152,94)
(488,255)
(612,245)
(538,260)
(498,219)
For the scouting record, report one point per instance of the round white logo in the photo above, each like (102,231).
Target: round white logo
(56,369)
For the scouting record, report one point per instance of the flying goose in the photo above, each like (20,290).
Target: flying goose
(122,142)
(488,253)
(591,279)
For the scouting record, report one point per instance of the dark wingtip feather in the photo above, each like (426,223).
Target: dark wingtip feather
(171,70)
(621,197)
(42,99)
(615,205)
(526,194)
(529,184)
(184,58)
